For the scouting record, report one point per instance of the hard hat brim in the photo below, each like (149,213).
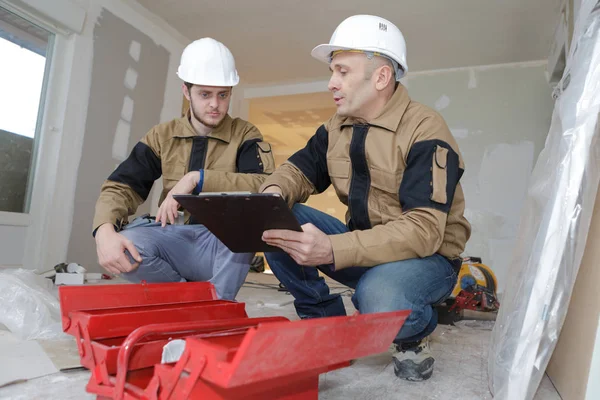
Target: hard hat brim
(213,83)
(323,51)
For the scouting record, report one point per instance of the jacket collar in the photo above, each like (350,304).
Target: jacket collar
(392,113)
(221,132)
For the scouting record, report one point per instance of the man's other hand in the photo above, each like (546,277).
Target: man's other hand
(111,246)
(310,248)
(167,212)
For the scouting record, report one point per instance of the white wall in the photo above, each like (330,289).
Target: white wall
(12,245)
(500,117)
(63,130)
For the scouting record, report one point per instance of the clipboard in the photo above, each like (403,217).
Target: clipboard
(238,219)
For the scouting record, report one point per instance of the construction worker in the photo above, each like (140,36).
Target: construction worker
(204,151)
(396,166)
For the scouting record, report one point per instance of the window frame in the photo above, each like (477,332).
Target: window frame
(8,218)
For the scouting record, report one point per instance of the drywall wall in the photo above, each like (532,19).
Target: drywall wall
(569,367)
(12,245)
(129,75)
(500,117)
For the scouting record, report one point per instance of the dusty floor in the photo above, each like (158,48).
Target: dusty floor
(460,367)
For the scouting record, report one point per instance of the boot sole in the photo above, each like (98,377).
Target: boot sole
(411,371)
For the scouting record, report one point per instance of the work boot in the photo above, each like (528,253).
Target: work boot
(413,361)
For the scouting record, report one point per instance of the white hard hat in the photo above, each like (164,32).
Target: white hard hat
(369,34)
(208,62)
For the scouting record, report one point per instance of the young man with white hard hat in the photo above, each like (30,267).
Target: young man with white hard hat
(204,151)
(396,166)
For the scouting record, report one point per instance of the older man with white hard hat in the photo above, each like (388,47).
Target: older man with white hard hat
(396,166)
(205,151)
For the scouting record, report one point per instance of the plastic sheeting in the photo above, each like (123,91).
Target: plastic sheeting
(27,306)
(554,224)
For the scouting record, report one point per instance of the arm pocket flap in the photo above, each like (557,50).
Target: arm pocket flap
(264,147)
(266,157)
(441,156)
(439,175)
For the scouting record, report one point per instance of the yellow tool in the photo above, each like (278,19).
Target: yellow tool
(475,290)
(474,273)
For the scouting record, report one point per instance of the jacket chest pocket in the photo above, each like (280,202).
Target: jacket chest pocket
(386,181)
(171,175)
(339,173)
(385,192)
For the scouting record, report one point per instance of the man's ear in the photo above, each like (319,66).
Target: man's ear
(186,91)
(383,77)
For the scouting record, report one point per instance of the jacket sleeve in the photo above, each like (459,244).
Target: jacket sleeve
(254,162)
(304,173)
(130,184)
(433,170)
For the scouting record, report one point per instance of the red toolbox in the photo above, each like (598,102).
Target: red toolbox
(121,331)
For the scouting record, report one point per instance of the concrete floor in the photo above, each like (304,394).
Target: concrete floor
(460,367)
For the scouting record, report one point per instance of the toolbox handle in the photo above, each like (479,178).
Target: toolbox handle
(217,328)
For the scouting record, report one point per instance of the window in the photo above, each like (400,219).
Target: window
(24,62)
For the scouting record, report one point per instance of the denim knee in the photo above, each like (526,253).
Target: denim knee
(144,244)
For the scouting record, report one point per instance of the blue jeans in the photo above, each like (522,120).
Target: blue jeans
(179,253)
(415,284)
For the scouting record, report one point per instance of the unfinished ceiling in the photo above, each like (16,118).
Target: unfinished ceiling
(271,40)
